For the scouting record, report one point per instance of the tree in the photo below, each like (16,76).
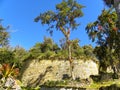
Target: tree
(20,54)
(6,55)
(88,51)
(107,35)
(116,5)
(44,50)
(75,49)
(64,19)
(47,45)
(35,50)
(4,35)
(13,56)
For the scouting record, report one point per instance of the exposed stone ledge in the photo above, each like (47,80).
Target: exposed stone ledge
(41,71)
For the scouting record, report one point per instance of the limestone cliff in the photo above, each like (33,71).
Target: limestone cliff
(38,72)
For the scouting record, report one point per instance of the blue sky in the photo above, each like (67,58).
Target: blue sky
(20,14)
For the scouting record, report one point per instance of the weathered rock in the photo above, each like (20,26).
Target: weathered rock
(38,72)
(12,84)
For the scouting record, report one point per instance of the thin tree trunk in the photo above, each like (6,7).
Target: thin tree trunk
(70,59)
(71,62)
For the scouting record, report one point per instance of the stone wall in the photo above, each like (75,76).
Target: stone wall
(38,72)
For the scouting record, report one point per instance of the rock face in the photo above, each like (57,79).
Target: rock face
(10,83)
(38,72)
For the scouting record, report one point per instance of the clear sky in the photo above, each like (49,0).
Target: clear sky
(20,14)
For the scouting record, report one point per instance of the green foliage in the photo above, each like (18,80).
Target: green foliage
(64,17)
(4,35)
(20,54)
(50,50)
(104,28)
(6,55)
(106,33)
(13,55)
(62,54)
(45,50)
(77,51)
(7,71)
(114,4)
(28,88)
(47,55)
(35,50)
(88,51)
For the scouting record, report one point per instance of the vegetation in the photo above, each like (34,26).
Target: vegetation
(7,72)
(4,35)
(46,50)
(52,51)
(105,31)
(64,19)
(114,4)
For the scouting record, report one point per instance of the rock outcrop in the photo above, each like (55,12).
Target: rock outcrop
(38,72)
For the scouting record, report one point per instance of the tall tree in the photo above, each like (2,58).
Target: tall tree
(63,19)
(4,35)
(107,35)
(116,5)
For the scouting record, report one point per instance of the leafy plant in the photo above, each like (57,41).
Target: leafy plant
(7,70)
(8,74)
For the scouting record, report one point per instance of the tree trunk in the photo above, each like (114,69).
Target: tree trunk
(71,62)
(117,8)
(115,75)
(70,59)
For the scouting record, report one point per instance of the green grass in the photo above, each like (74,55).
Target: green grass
(104,84)
(94,85)
(27,88)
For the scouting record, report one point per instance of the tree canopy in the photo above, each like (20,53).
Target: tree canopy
(114,4)
(107,35)
(63,18)
(4,35)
